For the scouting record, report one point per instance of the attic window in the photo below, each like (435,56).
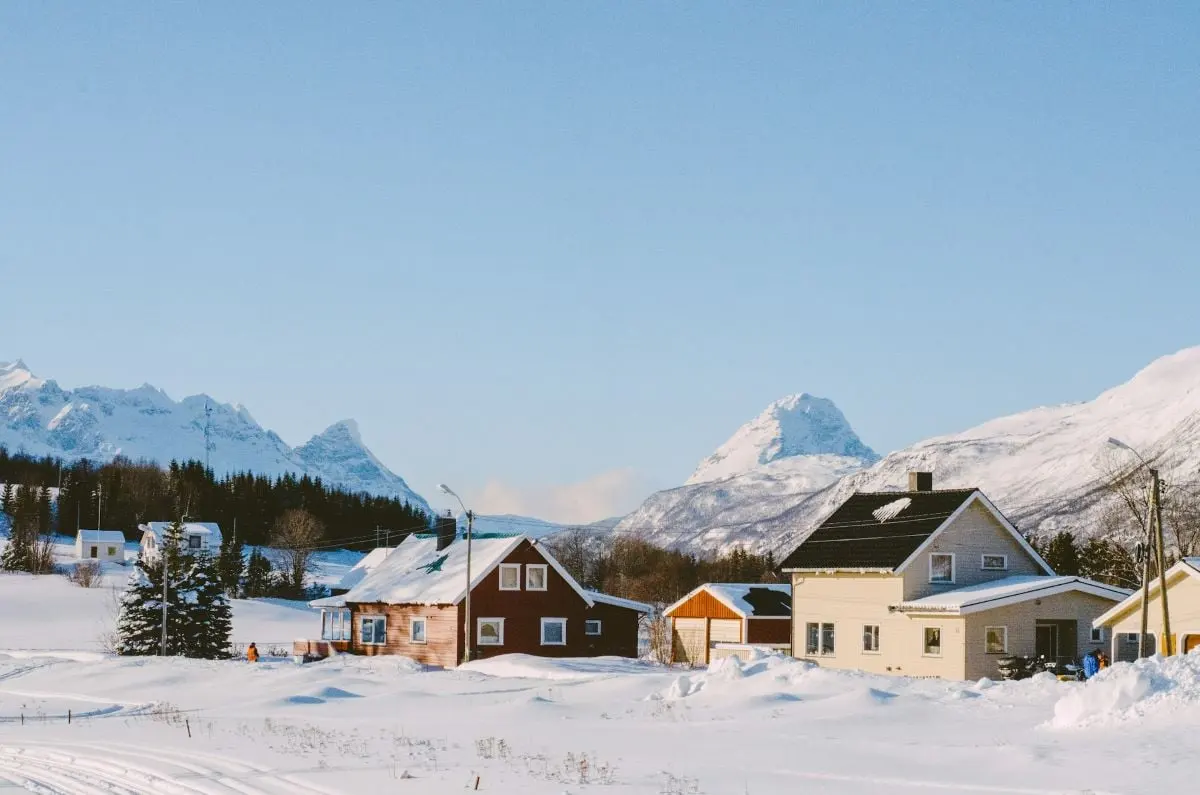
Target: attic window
(890,511)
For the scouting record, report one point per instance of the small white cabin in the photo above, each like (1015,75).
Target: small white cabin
(106,546)
(198,537)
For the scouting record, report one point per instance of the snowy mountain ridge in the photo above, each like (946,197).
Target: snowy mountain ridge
(797,425)
(1044,468)
(39,417)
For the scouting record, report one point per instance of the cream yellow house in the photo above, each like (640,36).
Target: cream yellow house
(933,583)
(1123,622)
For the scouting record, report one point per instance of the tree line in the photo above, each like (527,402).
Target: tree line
(635,569)
(121,494)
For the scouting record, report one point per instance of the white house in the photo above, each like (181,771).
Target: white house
(198,537)
(107,546)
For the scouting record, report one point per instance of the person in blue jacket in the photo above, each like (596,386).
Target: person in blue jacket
(1091,664)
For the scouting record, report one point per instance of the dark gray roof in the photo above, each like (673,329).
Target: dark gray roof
(868,532)
(769,602)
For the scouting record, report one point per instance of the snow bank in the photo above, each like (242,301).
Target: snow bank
(525,666)
(1131,691)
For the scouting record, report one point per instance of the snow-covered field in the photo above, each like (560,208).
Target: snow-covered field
(524,725)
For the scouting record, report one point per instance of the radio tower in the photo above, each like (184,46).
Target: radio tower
(208,444)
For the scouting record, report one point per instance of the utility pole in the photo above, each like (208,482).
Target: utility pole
(208,446)
(1156,517)
(467,600)
(99,501)
(162,551)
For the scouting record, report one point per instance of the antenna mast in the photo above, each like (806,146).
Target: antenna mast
(208,444)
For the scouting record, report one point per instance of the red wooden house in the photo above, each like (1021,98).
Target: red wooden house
(522,600)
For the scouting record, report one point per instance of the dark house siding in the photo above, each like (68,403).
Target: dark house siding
(618,631)
(769,630)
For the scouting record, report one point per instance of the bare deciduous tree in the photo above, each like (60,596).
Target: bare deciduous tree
(295,537)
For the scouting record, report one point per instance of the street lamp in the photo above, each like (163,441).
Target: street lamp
(1154,540)
(466,658)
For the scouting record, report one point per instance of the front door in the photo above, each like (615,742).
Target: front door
(1046,641)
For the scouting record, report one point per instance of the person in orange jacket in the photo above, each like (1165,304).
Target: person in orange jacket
(252,653)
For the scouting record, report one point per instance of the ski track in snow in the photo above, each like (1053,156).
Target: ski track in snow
(101,769)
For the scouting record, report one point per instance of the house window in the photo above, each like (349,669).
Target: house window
(93,552)
(941,567)
(1098,634)
(112,552)
(490,631)
(416,630)
(871,638)
(933,641)
(554,632)
(995,640)
(193,542)
(819,638)
(335,625)
(591,627)
(535,577)
(995,563)
(373,630)
(510,576)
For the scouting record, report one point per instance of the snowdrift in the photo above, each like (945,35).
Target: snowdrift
(1155,686)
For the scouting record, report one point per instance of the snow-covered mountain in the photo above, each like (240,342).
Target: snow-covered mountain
(797,425)
(39,417)
(796,447)
(1044,468)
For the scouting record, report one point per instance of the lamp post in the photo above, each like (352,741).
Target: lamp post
(466,658)
(1154,543)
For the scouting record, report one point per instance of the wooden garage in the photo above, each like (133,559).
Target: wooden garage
(729,613)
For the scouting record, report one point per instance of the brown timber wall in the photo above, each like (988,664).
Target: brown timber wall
(618,631)
(443,631)
(703,605)
(769,630)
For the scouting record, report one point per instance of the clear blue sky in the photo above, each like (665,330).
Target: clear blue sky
(530,244)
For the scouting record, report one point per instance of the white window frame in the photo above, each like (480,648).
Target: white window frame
(821,651)
(925,652)
(875,636)
(479,640)
(544,568)
(587,627)
(1097,634)
(510,567)
(983,562)
(1004,646)
(542,633)
(373,618)
(953,568)
(339,622)
(412,634)
(112,552)
(194,541)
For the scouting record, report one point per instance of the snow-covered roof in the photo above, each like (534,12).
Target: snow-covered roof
(1185,567)
(364,567)
(748,600)
(1006,591)
(209,529)
(102,536)
(617,601)
(416,572)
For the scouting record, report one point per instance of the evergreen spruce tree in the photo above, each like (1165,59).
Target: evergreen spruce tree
(139,624)
(231,565)
(17,553)
(210,618)
(6,499)
(259,576)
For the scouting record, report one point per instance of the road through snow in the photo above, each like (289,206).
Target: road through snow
(102,769)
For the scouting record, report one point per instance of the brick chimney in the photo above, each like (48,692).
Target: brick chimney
(447,529)
(920,481)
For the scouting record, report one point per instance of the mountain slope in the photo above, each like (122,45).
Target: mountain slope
(794,448)
(39,417)
(797,425)
(1043,468)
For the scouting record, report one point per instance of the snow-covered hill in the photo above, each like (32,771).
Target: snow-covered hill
(1044,468)
(39,417)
